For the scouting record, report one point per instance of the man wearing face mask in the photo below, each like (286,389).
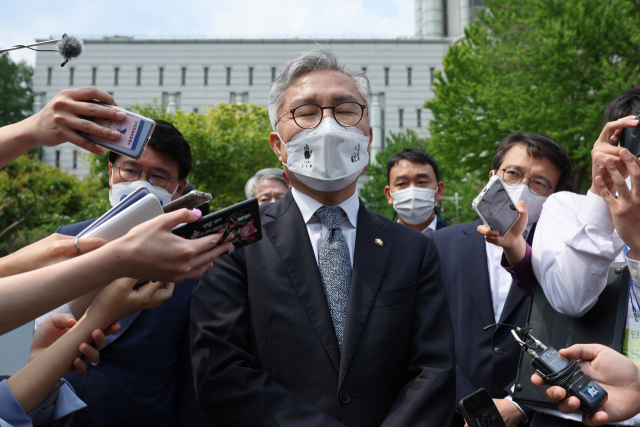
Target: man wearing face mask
(144,374)
(338,315)
(479,290)
(414,189)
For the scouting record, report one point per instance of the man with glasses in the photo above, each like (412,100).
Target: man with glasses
(338,315)
(144,374)
(479,290)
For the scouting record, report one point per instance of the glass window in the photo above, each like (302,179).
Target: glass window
(228,76)
(71,72)
(273,73)
(75,159)
(401,117)
(94,75)
(183,78)
(49,71)
(250,76)
(138,76)
(419,117)
(409,76)
(161,76)
(206,76)
(116,76)
(386,76)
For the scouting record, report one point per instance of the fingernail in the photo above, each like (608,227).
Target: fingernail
(115,134)
(96,362)
(211,264)
(608,161)
(625,152)
(634,122)
(231,249)
(120,115)
(103,151)
(197,213)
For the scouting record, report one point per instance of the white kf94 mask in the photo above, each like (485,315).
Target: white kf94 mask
(329,157)
(414,205)
(534,202)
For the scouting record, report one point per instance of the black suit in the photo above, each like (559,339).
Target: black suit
(265,351)
(484,359)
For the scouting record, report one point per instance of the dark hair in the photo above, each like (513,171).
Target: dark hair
(625,104)
(168,139)
(538,147)
(414,155)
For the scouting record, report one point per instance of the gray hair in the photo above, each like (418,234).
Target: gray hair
(261,175)
(322,58)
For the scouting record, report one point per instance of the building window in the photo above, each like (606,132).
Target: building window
(419,116)
(75,159)
(250,76)
(206,76)
(71,73)
(195,110)
(138,76)
(364,70)
(401,117)
(386,76)
(116,75)
(94,75)
(183,79)
(49,71)
(273,73)
(408,76)
(445,18)
(57,158)
(432,71)
(161,76)
(228,76)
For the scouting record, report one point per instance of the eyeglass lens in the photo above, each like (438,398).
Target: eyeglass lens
(309,115)
(537,185)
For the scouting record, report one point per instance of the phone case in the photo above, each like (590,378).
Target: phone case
(191,200)
(137,194)
(242,221)
(495,207)
(630,139)
(136,131)
(479,410)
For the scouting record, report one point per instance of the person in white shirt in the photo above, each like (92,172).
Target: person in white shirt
(580,236)
(414,188)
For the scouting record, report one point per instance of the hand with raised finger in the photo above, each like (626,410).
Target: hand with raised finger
(607,147)
(514,245)
(625,209)
(618,375)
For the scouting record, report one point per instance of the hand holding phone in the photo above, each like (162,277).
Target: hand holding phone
(479,410)
(495,207)
(630,139)
(191,200)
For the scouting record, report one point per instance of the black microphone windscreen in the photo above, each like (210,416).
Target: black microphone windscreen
(69,47)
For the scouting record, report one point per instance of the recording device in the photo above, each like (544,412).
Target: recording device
(479,410)
(557,370)
(630,139)
(241,221)
(135,129)
(191,200)
(68,47)
(495,207)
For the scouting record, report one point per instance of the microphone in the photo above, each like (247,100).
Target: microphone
(68,47)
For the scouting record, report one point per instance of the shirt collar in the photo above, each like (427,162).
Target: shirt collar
(308,206)
(433,224)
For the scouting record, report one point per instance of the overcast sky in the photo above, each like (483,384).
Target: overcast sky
(23,21)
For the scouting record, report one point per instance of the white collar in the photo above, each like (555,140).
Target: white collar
(433,224)
(308,206)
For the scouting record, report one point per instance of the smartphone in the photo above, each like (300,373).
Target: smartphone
(241,222)
(479,410)
(191,200)
(495,207)
(630,139)
(136,131)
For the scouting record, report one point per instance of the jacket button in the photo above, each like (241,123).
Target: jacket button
(344,396)
(497,350)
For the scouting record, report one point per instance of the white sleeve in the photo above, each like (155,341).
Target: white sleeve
(63,309)
(574,244)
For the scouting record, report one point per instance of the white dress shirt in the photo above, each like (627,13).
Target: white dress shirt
(432,225)
(308,206)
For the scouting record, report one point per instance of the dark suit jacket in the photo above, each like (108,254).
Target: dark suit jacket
(484,359)
(144,377)
(265,351)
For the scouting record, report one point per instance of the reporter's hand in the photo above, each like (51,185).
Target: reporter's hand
(48,251)
(514,245)
(607,146)
(59,120)
(619,376)
(151,251)
(59,324)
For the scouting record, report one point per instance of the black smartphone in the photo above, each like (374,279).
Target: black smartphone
(241,221)
(630,139)
(495,207)
(191,200)
(479,410)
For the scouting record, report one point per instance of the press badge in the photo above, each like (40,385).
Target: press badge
(631,344)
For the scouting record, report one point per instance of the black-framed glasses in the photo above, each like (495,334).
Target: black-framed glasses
(309,116)
(538,186)
(159,178)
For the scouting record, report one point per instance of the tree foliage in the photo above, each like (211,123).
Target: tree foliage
(16,90)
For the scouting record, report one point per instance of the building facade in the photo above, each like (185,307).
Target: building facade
(193,74)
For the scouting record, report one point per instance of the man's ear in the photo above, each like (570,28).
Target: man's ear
(370,140)
(180,189)
(276,145)
(110,174)
(491,173)
(387,192)
(439,192)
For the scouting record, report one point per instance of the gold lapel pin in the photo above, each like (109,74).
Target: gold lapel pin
(378,242)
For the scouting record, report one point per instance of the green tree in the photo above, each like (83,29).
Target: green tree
(16,89)
(546,67)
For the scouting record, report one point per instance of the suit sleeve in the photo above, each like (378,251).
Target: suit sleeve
(464,385)
(428,398)
(231,388)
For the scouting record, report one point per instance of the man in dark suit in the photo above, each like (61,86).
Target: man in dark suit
(414,188)
(338,315)
(480,291)
(144,374)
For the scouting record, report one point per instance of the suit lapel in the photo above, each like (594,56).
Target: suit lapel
(289,236)
(473,258)
(369,264)
(513,300)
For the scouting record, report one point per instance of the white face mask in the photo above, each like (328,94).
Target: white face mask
(329,157)
(534,202)
(414,205)
(122,189)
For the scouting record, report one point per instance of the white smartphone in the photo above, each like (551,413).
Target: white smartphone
(495,207)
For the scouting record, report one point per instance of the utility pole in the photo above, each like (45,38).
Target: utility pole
(456,200)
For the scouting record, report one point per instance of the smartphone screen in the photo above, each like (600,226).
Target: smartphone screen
(479,410)
(630,139)
(496,208)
